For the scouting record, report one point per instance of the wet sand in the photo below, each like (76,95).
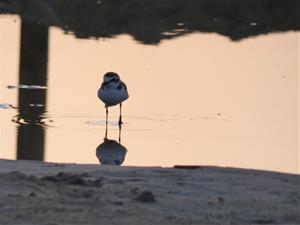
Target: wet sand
(33,192)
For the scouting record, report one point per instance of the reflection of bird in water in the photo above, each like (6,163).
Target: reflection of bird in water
(112,92)
(111,152)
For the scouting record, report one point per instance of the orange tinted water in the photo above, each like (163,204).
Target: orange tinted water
(200,99)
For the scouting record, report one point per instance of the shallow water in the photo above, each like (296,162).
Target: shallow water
(200,99)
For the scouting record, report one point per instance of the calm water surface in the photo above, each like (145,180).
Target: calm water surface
(196,100)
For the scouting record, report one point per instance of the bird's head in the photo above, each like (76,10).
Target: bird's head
(110,77)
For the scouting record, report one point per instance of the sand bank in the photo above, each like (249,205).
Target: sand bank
(49,193)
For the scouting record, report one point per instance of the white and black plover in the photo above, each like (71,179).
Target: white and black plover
(113,91)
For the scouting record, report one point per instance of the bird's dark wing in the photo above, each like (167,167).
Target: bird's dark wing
(121,85)
(102,86)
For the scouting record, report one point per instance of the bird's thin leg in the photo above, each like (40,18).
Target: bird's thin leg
(106,121)
(106,108)
(105,137)
(120,129)
(120,119)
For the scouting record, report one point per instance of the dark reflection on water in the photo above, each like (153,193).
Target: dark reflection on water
(111,152)
(150,21)
(30,142)
(32,101)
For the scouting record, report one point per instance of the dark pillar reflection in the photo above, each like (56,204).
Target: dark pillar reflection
(32,102)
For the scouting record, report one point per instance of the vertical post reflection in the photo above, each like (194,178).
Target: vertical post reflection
(32,102)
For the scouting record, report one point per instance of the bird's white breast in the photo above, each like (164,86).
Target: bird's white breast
(112,96)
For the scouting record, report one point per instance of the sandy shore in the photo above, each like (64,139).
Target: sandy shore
(47,193)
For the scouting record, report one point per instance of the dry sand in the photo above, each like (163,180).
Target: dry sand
(47,193)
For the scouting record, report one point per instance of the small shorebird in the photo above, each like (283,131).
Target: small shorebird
(112,92)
